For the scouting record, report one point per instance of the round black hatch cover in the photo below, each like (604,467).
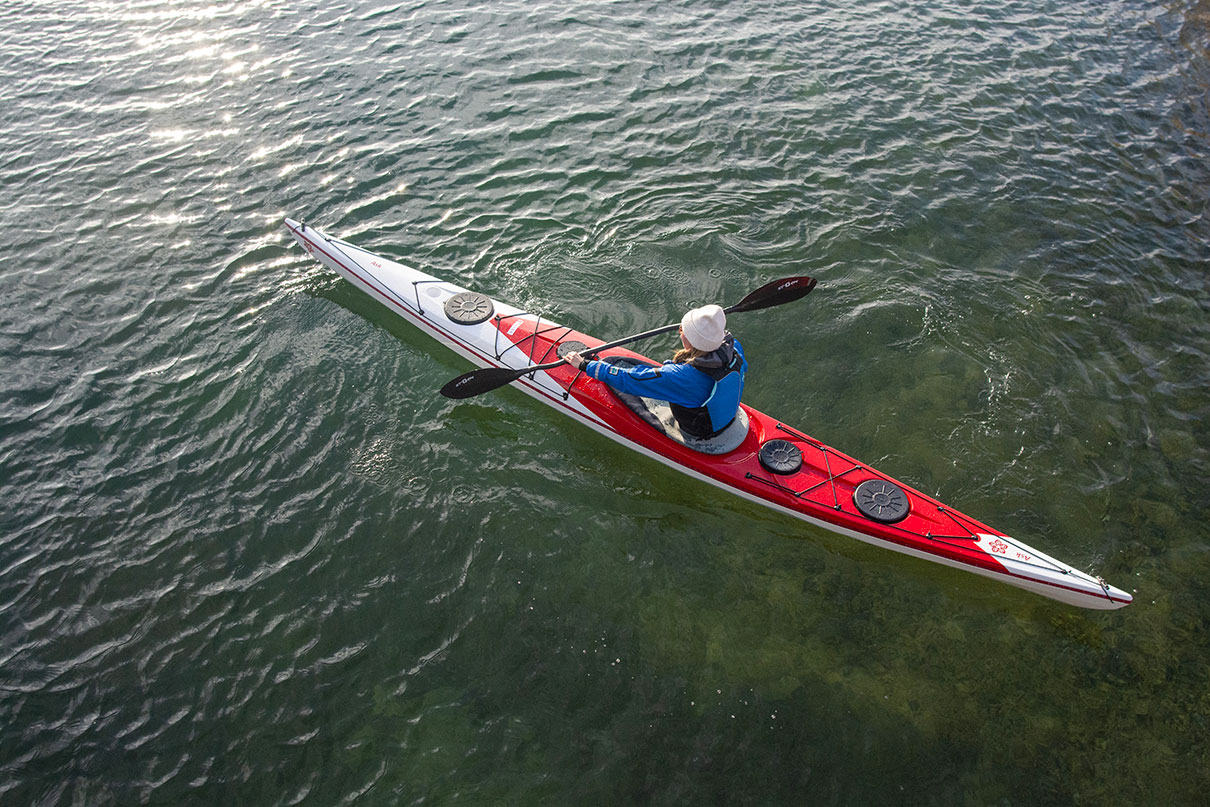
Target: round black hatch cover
(468,308)
(881,501)
(781,456)
(571,344)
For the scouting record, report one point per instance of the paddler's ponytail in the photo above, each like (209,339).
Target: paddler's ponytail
(687,355)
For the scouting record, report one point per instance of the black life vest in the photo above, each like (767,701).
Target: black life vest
(726,367)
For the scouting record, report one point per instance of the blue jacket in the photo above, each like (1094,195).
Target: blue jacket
(704,394)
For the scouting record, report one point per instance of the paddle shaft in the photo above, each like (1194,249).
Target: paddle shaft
(589,353)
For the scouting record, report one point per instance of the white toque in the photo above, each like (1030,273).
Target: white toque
(705,327)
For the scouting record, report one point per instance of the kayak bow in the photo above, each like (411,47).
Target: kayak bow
(758,457)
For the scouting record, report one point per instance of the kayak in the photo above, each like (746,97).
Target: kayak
(757,457)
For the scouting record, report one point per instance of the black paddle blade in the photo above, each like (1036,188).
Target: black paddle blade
(785,290)
(477,382)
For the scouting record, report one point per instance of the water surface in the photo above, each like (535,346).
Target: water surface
(249,556)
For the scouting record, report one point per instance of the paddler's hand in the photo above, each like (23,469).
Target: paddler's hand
(574,359)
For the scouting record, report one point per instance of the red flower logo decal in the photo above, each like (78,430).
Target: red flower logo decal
(998,546)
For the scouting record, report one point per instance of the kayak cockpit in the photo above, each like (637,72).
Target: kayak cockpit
(658,415)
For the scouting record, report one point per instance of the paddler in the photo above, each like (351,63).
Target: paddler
(703,382)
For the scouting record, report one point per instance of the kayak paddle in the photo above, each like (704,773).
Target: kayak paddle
(477,382)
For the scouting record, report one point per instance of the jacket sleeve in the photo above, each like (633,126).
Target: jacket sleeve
(668,382)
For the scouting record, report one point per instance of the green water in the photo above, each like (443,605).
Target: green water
(249,556)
